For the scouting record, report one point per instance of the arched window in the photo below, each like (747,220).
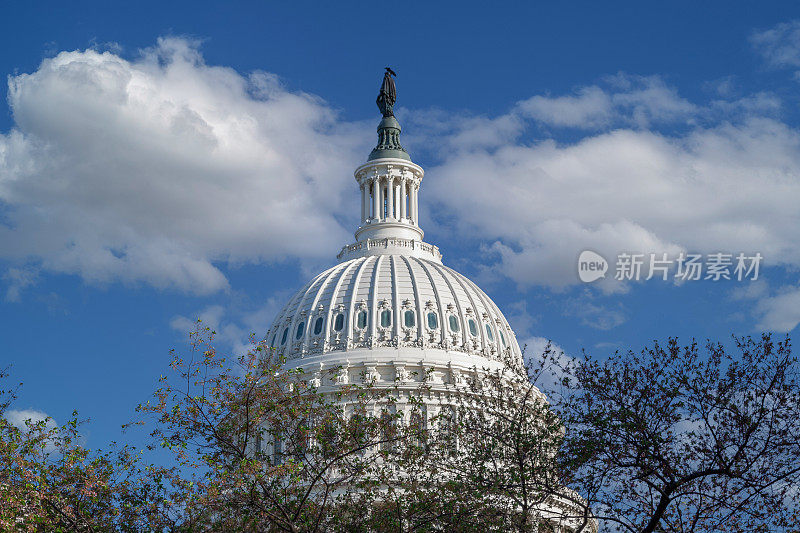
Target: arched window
(386,318)
(283,337)
(272,342)
(489,333)
(301,327)
(453,324)
(503,339)
(409,318)
(318,325)
(338,322)
(473,329)
(361,320)
(433,321)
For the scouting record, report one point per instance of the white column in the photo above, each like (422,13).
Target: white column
(397,196)
(367,214)
(411,214)
(376,199)
(416,205)
(403,187)
(390,198)
(363,209)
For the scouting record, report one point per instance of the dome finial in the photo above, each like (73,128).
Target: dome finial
(388,93)
(389,129)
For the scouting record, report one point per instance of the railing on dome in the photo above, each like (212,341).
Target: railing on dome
(391,242)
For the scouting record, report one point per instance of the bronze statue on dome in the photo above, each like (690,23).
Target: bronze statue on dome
(388,94)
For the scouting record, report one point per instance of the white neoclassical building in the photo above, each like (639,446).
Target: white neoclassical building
(390,309)
(390,312)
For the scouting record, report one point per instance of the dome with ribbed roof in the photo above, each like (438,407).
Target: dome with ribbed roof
(391,314)
(392,301)
(391,309)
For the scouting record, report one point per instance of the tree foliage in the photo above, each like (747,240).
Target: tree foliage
(673,438)
(680,439)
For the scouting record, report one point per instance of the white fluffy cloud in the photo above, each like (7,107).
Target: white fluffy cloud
(634,100)
(233,326)
(780,45)
(730,186)
(20,417)
(781,311)
(160,169)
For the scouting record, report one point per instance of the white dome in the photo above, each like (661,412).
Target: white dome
(391,301)
(390,310)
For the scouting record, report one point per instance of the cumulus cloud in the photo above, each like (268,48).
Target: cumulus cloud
(233,325)
(729,185)
(163,168)
(20,418)
(628,100)
(781,311)
(780,45)
(590,107)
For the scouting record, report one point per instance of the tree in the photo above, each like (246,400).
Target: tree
(50,482)
(486,462)
(260,448)
(669,439)
(686,440)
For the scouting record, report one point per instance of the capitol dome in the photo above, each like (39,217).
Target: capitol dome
(392,301)
(391,314)
(390,310)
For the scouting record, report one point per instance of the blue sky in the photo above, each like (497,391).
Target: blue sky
(164,162)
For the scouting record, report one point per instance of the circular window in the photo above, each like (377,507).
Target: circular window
(361,320)
(408,318)
(433,321)
(338,322)
(489,333)
(301,327)
(453,323)
(318,325)
(386,318)
(473,329)
(283,337)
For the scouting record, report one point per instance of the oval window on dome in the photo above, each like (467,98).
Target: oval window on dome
(386,318)
(338,322)
(473,328)
(283,337)
(409,317)
(318,325)
(361,320)
(433,321)
(503,339)
(489,333)
(301,327)
(453,323)
(272,342)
